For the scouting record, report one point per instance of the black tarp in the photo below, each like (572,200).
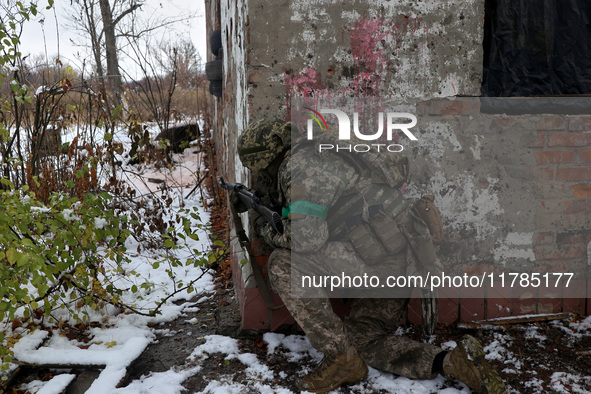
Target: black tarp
(537,48)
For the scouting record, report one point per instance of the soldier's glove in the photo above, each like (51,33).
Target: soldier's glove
(262,228)
(235,201)
(259,223)
(268,234)
(272,237)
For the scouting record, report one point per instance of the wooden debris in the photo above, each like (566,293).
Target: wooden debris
(503,321)
(65,365)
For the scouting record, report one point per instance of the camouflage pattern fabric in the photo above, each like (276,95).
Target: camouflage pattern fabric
(370,327)
(306,176)
(263,142)
(315,316)
(391,167)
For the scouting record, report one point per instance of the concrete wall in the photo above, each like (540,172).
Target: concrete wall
(421,49)
(512,190)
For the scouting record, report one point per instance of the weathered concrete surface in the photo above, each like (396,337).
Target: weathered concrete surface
(411,50)
(234,19)
(234,110)
(418,49)
(509,187)
(482,177)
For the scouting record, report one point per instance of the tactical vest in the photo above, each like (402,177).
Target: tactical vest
(367,218)
(372,214)
(366,214)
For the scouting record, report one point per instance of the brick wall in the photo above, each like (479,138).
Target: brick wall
(563,198)
(535,174)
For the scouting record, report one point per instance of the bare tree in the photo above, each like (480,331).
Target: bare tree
(188,62)
(86,19)
(118,18)
(109,24)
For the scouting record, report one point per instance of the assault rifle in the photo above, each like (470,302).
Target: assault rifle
(249,198)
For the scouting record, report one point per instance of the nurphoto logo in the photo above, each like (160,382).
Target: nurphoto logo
(393,120)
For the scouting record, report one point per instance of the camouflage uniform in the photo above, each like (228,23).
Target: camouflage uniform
(372,322)
(316,243)
(319,246)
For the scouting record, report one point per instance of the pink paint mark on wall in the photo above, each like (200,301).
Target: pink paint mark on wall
(369,58)
(423,55)
(306,83)
(365,37)
(371,61)
(414,24)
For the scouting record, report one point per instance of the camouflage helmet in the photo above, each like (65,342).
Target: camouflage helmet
(262,142)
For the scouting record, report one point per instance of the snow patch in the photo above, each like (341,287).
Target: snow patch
(564,382)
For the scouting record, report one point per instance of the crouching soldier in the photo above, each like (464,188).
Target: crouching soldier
(308,185)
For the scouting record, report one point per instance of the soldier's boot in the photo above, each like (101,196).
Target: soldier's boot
(332,372)
(467,364)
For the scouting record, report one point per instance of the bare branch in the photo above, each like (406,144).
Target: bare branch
(132,33)
(127,12)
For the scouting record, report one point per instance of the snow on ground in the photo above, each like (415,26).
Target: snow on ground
(581,328)
(259,378)
(564,382)
(169,382)
(498,350)
(124,336)
(56,385)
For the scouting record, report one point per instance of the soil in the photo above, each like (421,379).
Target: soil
(538,359)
